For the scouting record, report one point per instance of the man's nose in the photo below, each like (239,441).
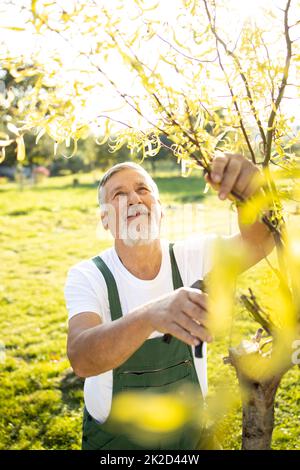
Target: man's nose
(134,198)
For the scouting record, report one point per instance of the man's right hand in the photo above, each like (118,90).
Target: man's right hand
(183,314)
(95,347)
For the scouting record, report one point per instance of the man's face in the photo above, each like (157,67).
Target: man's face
(132,210)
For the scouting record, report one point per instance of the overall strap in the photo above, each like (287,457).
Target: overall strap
(177,281)
(113,294)
(112,290)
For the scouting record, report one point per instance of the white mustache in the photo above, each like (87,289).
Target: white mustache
(138,209)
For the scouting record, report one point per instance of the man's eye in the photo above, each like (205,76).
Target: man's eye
(119,193)
(143,189)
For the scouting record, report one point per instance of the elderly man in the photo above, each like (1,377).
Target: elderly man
(122,302)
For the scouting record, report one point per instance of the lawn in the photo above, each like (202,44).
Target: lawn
(45,230)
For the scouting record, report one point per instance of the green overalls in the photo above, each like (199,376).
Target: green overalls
(156,364)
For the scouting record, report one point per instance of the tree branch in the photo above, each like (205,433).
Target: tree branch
(269,72)
(241,73)
(236,107)
(182,53)
(270,131)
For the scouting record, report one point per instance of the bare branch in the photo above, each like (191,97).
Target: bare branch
(241,73)
(115,120)
(124,96)
(295,24)
(182,53)
(184,131)
(269,71)
(270,131)
(236,107)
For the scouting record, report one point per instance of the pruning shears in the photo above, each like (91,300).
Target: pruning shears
(198,349)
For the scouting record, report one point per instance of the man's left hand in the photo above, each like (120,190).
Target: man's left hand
(233,172)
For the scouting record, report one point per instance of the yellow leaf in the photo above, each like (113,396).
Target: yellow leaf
(106,134)
(221,284)
(55,148)
(74,150)
(12,128)
(40,134)
(5,143)
(252,208)
(4,136)
(2,158)
(20,148)
(13,28)
(155,413)
(103,141)
(33,7)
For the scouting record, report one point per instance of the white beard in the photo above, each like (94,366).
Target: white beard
(140,231)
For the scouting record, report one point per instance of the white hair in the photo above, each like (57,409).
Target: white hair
(119,167)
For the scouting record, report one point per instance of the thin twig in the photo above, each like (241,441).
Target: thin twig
(182,53)
(236,107)
(241,73)
(271,120)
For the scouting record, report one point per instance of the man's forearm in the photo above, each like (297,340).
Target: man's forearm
(257,233)
(106,346)
(257,240)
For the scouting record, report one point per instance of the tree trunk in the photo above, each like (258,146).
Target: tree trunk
(258,400)
(258,386)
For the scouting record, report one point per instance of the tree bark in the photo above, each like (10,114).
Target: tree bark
(258,400)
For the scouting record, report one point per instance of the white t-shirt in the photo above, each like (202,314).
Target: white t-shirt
(85,291)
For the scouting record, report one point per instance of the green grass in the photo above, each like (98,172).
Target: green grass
(45,230)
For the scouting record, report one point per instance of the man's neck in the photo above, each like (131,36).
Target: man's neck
(142,261)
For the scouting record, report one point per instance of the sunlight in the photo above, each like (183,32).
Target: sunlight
(246,10)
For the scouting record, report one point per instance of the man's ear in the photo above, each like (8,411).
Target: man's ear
(104,219)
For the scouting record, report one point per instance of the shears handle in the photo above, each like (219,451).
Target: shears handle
(198,349)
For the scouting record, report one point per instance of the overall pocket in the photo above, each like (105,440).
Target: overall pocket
(156,378)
